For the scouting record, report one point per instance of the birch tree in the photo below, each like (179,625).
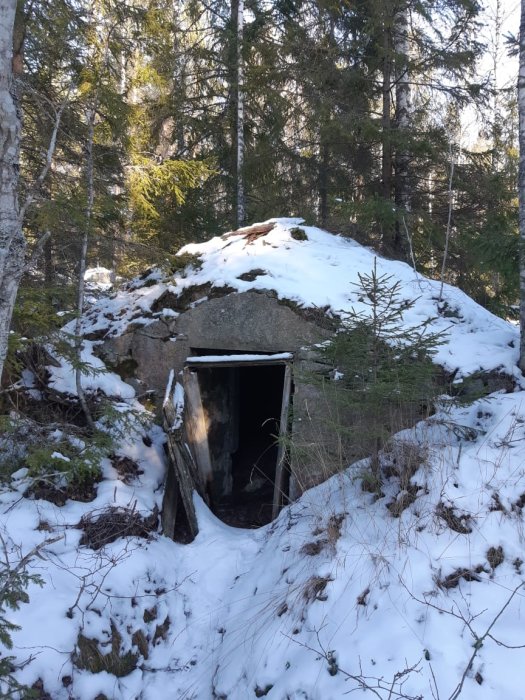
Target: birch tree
(12,241)
(521,180)
(239,167)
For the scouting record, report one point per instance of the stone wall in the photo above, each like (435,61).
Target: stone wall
(253,322)
(240,322)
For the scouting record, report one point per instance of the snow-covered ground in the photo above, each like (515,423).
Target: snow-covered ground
(336,595)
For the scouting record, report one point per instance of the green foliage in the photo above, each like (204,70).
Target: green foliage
(37,310)
(386,380)
(38,313)
(316,128)
(162,185)
(63,347)
(14,581)
(485,255)
(298,234)
(372,216)
(69,461)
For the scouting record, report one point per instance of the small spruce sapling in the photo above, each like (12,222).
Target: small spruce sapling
(14,581)
(387,380)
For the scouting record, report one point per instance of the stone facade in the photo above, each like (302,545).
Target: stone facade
(253,322)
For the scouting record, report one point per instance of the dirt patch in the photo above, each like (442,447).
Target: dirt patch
(458,523)
(84,491)
(128,470)
(495,557)
(188,296)
(453,579)
(252,275)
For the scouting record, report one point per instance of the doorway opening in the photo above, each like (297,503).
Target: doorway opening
(239,438)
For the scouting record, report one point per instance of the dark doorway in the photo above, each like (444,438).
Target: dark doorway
(242,406)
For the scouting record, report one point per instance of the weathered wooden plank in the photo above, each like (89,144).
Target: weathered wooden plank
(278,493)
(183,469)
(170,501)
(197,426)
(251,233)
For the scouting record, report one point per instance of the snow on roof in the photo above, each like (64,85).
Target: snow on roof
(217,359)
(321,271)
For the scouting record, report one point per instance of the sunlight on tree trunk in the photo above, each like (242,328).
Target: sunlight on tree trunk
(241,205)
(403,123)
(521,181)
(82,265)
(12,241)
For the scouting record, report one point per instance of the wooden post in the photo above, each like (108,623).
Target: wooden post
(278,491)
(184,470)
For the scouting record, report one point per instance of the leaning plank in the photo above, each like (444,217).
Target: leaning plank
(279,490)
(170,502)
(196,425)
(185,472)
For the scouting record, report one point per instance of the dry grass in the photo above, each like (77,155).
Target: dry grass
(89,656)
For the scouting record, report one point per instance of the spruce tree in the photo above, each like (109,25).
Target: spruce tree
(383,377)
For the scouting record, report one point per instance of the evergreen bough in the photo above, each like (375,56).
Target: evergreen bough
(386,379)
(14,581)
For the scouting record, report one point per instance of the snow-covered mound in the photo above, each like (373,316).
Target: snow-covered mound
(318,269)
(386,597)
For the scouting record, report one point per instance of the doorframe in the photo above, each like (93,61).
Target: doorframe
(201,451)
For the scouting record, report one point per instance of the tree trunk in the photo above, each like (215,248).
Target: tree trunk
(521,182)
(82,265)
(403,112)
(239,169)
(49,270)
(12,241)
(497,117)
(386,155)
(237,77)
(323,184)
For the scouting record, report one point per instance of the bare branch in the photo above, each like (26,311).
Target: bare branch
(478,643)
(37,250)
(49,158)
